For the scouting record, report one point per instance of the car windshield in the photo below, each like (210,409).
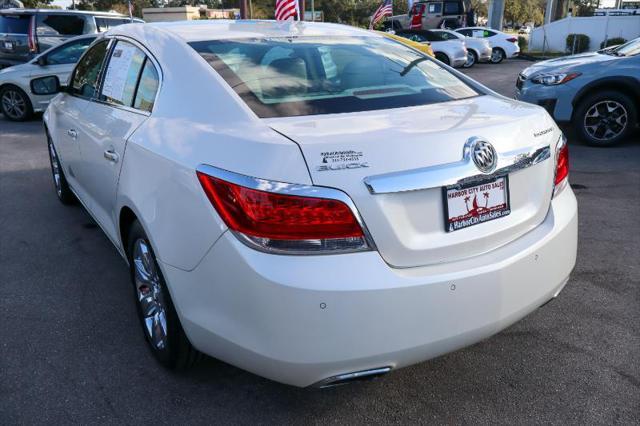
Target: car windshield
(631,48)
(281,77)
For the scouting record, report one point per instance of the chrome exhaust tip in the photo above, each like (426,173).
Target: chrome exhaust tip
(356,376)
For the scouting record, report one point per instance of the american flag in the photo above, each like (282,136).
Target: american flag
(385,9)
(286,9)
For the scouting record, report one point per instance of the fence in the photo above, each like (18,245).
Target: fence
(552,37)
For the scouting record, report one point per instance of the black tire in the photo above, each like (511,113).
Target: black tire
(616,118)
(64,193)
(15,104)
(442,58)
(497,55)
(175,351)
(472,59)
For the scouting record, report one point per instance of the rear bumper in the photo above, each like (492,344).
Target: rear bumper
(302,319)
(459,60)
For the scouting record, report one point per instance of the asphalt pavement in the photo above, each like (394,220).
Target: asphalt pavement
(72,351)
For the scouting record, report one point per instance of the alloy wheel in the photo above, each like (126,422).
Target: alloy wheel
(606,120)
(14,104)
(471,60)
(150,296)
(496,56)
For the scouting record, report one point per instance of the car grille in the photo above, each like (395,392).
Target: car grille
(520,81)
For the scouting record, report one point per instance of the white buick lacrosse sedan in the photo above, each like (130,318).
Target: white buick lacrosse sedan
(314,203)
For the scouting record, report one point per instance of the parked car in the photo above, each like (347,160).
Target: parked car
(423,47)
(17,102)
(478,50)
(430,14)
(448,52)
(503,45)
(598,92)
(345,207)
(525,29)
(24,33)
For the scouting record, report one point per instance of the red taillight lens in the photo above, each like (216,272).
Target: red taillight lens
(31,36)
(562,164)
(512,40)
(282,221)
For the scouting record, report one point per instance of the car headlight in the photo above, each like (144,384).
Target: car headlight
(554,79)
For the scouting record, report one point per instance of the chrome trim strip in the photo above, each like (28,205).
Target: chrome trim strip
(457,173)
(289,189)
(348,377)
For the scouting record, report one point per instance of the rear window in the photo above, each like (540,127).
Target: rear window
(63,25)
(282,77)
(14,24)
(104,24)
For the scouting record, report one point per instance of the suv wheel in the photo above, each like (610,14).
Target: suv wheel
(605,118)
(497,55)
(15,104)
(158,317)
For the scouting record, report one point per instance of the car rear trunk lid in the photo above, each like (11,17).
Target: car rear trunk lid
(411,153)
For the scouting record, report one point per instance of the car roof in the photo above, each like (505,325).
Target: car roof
(234,29)
(60,12)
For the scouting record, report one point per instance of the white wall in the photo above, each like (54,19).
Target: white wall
(596,27)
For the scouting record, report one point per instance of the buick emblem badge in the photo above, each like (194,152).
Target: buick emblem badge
(484,155)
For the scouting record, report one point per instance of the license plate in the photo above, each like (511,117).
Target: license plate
(8,45)
(476,203)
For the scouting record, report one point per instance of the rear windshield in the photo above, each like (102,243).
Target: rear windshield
(14,24)
(283,77)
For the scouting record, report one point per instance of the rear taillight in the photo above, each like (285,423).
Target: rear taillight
(512,40)
(562,165)
(266,215)
(31,36)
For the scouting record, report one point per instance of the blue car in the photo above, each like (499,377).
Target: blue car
(598,92)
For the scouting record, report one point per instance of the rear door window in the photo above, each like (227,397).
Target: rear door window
(434,8)
(123,71)
(452,8)
(14,24)
(60,25)
(86,75)
(147,87)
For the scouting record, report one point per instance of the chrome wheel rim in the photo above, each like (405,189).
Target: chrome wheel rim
(149,292)
(606,120)
(13,104)
(55,169)
(470,60)
(496,55)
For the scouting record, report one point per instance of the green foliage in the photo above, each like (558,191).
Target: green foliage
(480,7)
(612,42)
(577,43)
(523,42)
(45,4)
(524,11)
(585,7)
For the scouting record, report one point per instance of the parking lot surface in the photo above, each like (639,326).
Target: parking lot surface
(72,351)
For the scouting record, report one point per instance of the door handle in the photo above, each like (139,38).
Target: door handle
(111,155)
(72,134)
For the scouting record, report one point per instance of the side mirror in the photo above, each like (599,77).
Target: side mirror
(42,60)
(49,85)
